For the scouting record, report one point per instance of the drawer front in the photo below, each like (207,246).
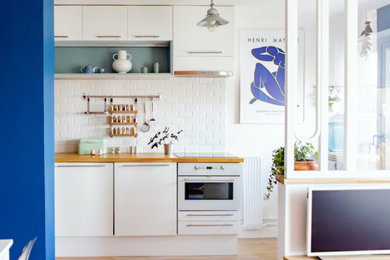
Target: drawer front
(208,216)
(208,228)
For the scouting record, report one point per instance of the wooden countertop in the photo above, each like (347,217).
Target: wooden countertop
(282,180)
(139,157)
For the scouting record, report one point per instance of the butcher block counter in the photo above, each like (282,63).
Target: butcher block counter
(139,157)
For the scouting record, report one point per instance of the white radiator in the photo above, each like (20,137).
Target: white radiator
(252,193)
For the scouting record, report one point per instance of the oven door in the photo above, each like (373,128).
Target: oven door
(208,193)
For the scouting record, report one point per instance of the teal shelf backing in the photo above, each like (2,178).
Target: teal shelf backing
(71,59)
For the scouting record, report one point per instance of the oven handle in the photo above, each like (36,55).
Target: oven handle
(209,180)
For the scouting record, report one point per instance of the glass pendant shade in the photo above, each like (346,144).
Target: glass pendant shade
(212,20)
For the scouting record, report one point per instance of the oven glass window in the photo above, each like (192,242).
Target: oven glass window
(208,191)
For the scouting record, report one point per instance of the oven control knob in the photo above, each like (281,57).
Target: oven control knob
(196,168)
(221,168)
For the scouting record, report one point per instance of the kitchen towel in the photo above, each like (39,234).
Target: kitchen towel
(252,193)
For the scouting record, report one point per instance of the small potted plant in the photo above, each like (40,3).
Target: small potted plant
(304,161)
(165,138)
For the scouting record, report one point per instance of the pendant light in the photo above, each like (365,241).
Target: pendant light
(212,20)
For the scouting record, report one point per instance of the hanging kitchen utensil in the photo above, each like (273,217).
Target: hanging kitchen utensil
(153,119)
(145,127)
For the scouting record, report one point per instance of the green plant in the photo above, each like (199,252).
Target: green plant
(302,153)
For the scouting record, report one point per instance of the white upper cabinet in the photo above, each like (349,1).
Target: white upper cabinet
(84,199)
(145,199)
(192,40)
(68,23)
(106,23)
(146,23)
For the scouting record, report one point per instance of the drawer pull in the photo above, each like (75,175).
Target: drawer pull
(80,166)
(146,36)
(209,225)
(109,36)
(144,165)
(204,52)
(208,180)
(210,215)
(61,36)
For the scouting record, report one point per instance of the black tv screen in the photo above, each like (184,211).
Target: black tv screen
(350,220)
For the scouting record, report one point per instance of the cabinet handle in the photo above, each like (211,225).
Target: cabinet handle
(146,36)
(108,36)
(204,52)
(144,165)
(210,215)
(81,166)
(61,36)
(209,225)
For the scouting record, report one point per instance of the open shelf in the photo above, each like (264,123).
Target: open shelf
(124,112)
(70,59)
(123,135)
(131,123)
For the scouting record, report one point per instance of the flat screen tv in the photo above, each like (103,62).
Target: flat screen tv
(348,221)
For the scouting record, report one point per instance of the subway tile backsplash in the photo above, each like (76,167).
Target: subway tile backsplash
(196,105)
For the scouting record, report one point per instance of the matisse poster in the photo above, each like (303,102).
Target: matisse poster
(262,81)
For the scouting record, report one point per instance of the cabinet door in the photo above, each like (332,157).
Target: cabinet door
(145,199)
(68,23)
(106,23)
(84,199)
(192,40)
(147,23)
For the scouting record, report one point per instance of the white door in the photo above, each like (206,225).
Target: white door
(146,23)
(84,199)
(68,23)
(145,199)
(192,40)
(105,23)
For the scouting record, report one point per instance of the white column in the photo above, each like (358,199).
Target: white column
(291,83)
(323,78)
(351,52)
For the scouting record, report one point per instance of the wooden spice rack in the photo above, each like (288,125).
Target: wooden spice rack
(123,112)
(122,135)
(130,123)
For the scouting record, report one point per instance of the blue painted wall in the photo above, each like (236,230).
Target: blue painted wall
(27,127)
(383,18)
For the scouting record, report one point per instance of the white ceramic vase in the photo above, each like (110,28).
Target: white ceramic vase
(122,64)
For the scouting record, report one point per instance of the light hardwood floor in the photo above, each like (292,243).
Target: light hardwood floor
(263,249)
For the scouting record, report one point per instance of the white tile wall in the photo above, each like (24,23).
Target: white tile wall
(196,105)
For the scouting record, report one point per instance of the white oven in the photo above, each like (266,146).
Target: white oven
(209,186)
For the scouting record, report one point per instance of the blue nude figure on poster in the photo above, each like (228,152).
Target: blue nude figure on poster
(269,86)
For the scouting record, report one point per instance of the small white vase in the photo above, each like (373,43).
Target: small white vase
(121,63)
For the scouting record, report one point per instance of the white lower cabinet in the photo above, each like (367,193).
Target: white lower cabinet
(208,223)
(84,199)
(145,199)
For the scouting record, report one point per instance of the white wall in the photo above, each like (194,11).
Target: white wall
(195,105)
(227,133)
(253,140)
(261,140)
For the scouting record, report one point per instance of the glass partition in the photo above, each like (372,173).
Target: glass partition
(372,112)
(336,115)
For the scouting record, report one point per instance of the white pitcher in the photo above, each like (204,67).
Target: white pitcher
(121,63)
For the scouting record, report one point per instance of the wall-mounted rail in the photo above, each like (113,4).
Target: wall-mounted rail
(111,98)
